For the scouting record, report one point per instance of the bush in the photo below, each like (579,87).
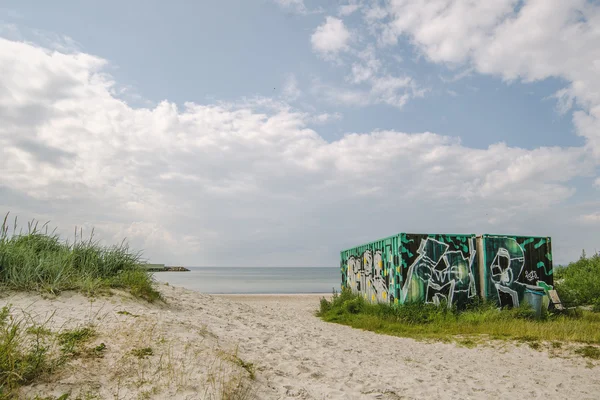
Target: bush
(40,261)
(596,306)
(324,306)
(579,282)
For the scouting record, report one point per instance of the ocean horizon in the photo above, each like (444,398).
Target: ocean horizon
(255,280)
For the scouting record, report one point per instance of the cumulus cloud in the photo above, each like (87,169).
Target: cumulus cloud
(527,40)
(246,183)
(331,37)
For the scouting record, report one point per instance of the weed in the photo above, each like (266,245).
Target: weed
(589,352)
(142,352)
(248,366)
(235,388)
(71,341)
(22,358)
(38,330)
(97,351)
(535,345)
(469,343)
(127,313)
(526,338)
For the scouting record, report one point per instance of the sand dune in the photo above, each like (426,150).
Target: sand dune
(199,340)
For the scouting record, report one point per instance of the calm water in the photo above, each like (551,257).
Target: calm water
(254,280)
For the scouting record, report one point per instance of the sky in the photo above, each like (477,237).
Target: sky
(280,132)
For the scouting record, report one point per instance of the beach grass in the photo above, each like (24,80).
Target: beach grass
(30,351)
(477,322)
(36,259)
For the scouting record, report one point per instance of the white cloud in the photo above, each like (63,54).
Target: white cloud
(291,91)
(326,117)
(383,89)
(597,183)
(297,6)
(366,67)
(331,37)
(340,95)
(593,218)
(534,41)
(181,182)
(395,91)
(375,13)
(348,9)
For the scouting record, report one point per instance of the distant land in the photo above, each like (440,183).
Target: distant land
(163,267)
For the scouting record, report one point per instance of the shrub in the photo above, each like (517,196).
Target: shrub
(324,306)
(579,282)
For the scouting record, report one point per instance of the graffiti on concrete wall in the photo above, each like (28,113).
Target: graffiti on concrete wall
(514,264)
(368,274)
(444,268)
(438,268)
(413,268)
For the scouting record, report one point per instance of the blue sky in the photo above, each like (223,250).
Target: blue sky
(202,52)
(514,90)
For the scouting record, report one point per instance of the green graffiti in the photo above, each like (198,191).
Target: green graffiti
(404,239)
(530,240)
(541,264)
(544,285)
(539,244)
(549,256)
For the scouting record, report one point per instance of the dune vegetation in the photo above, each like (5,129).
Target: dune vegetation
(477,322)
(36,259)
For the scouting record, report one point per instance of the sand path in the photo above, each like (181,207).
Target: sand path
(301,356)
(296,354)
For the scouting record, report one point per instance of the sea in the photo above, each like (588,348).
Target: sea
(255,280)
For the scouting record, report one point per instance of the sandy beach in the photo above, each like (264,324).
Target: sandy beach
(202,345)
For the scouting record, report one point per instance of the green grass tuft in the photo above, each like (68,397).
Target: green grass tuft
(142,352)
(24,354)
(589,352)
(40,261)
(71,341)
